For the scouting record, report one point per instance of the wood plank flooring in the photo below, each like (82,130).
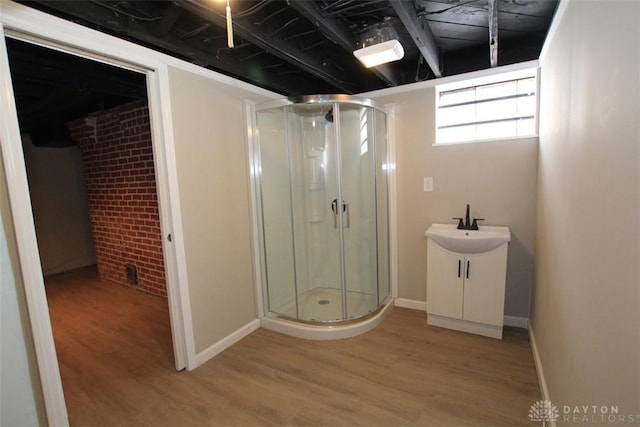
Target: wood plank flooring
(116,359)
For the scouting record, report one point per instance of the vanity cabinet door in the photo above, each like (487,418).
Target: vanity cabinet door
(444,281)
(484,280)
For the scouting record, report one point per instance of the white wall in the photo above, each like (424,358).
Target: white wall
(20,398)
(586,296)
(60,207)
(498,180)
(211,161)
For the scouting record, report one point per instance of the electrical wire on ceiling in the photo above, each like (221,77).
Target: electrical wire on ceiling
(302,34)
(125,13)
(266,18)
(285,25)
(426,77)
(364,7)
(252,9)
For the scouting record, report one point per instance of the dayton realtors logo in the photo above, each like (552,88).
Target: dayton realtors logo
(545,411)
(597,414)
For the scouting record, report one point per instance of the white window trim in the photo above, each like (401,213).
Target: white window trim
(486,80)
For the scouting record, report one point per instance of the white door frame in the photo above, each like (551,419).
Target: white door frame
(22,22)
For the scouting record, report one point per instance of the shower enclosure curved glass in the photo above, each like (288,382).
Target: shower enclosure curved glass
(322,196)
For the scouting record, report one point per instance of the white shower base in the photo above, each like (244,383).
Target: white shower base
(325,305)
(312,310)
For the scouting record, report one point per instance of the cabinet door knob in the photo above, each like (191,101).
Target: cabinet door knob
(468,265)
(459,266)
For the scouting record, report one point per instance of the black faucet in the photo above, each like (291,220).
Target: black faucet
(466,224)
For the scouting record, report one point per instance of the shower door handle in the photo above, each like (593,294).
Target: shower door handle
(334,209)
(345,209)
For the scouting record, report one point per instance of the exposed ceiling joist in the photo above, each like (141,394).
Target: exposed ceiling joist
(274,44)
(493,33)
(168,21)
(45,70)
(420,33)
(293,47)
(192,49)
(337,31)
(298,47)
(328,25)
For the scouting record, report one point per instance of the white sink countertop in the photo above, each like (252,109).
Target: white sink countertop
(484,239)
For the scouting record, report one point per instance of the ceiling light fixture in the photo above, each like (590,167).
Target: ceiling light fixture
(380,53)
(379,44)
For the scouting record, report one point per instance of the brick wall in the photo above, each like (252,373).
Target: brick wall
(118,165)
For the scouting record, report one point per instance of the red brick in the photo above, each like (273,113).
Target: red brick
(117,154)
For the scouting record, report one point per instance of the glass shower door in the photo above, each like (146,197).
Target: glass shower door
(358,179)
(275,206)
(314,191)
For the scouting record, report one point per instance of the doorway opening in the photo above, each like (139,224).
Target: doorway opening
(89,161)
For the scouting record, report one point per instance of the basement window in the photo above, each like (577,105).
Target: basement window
(497,107)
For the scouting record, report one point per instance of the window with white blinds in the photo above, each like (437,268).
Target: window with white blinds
(497,110)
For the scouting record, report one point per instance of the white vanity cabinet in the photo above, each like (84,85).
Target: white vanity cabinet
(465,291)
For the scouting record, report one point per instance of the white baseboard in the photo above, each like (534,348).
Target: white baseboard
(539,371)
(465,326)
(516,322)
(226,342)
(410,303)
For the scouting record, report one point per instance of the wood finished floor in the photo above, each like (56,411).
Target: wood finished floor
(116,360)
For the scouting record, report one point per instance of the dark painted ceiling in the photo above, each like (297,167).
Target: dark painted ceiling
(53,88)
(299,47)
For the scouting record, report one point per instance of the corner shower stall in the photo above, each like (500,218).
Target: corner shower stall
(320,168)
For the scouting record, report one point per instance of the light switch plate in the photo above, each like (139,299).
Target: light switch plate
(427,184)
